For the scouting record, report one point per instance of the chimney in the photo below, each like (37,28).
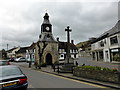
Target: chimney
(72,41)
(58,39)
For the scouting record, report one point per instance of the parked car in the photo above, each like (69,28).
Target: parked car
(4,62)
(20,59)
(12,78)
(12,59)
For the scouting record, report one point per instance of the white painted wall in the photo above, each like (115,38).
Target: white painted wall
(107,46)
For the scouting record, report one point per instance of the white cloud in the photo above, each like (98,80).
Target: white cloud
(20,20)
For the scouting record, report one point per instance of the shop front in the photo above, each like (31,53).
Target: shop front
(115,54)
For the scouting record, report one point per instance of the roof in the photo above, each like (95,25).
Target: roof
(47,37)
(32,46)
(11,49)
(112,31)
(63,45)
(46,19)
(22,50)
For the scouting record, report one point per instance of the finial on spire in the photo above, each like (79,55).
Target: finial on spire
(46,11)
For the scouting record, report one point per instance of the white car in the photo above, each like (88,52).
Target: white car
(20,59)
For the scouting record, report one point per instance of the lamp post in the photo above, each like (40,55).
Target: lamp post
(39,54)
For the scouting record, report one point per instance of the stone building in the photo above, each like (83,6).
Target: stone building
(47,49)
(11,53)
(21,52)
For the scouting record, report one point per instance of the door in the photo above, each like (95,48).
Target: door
(49,59)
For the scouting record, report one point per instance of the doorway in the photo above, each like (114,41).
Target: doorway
(49,59)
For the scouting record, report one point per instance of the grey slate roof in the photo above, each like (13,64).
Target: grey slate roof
(10,50)
(22,50)
(47,37)
(63,45)
(112,31)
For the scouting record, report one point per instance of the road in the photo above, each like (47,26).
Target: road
(38,79)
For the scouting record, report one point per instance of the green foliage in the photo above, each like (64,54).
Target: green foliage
(90,67)
(107,69)
(96,68)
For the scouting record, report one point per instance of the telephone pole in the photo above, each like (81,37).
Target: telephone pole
(7,46)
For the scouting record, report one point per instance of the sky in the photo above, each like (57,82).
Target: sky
(20,20)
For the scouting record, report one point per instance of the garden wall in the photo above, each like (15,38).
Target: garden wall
(107,76)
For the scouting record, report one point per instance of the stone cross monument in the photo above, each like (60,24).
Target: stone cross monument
(68,30)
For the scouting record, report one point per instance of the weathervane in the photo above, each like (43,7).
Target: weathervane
(46,10)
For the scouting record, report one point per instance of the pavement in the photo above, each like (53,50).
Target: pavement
(89,61)
(49,69)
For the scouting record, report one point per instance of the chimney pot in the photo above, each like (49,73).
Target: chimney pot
(58,39)
(72,41)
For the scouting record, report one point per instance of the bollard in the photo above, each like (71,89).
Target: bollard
(29,64)
(58,69)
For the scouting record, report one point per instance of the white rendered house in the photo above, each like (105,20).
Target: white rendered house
(107,46)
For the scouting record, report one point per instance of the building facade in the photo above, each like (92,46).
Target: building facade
(30,53)
(21,52)
(107,47)
(12,52)
(47,47)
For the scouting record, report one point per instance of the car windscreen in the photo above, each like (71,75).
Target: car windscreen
(9,71)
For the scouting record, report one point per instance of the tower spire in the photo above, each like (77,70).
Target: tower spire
(46,29)
(46,19)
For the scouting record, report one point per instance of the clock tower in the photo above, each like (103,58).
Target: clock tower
(46,30)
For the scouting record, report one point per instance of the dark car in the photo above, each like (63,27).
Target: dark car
(12,59)
(12,78)
(4,62)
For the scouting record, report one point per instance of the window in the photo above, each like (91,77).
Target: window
(71,51)
(101,44)
(62,55)
(93,55)
(107,54)
(8,71)
(115,55)
(113,40)
(101,54)
(60,50)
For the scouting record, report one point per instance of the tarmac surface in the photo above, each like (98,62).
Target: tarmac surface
(49,69)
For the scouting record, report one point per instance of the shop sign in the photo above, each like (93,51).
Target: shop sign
(114,50)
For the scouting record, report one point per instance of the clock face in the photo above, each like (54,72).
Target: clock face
(47,28)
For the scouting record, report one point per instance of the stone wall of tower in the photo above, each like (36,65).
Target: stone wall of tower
(52,48)
(45,48)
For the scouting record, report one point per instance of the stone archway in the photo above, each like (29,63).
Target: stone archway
(49,59)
